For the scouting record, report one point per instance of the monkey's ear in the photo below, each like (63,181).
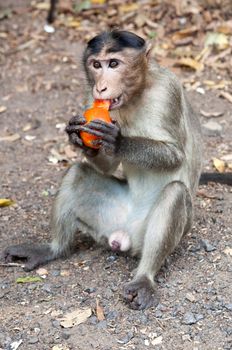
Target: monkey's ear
(149,47)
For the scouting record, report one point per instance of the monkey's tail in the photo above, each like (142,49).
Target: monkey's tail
(51,12)
(225,178)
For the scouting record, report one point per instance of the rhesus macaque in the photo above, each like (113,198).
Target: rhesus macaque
(155,137)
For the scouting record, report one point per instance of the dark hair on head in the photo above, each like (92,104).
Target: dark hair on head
(117,40)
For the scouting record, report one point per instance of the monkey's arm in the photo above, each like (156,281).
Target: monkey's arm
(142,152)
(150,154)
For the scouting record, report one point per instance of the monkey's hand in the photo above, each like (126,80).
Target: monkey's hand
(109,135)
(73,130)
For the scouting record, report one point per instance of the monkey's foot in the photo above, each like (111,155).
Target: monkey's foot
(33,256)
(140,294)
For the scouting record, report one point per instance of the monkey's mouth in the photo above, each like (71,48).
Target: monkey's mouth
(116,102)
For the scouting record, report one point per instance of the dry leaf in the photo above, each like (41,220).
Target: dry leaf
(29,137)
(73,23)
(42,6)
(56,157)
(70,153)
(191,63)
(60,347)
(226,95)
(157,340)
(64,273)
(227,157)
(10,138)
(42,271)
(219,40)
(98,2)
(211,114)
(228,251)
(128,8)
(2,109)
(184,33)
(75,318)
(204,194)
(5,202)
(219,165)
(99,311)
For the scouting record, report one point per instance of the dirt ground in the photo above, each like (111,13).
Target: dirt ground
(41,87)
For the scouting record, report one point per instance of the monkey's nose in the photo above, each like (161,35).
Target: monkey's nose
(100,90)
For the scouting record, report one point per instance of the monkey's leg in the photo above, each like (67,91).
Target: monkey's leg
(87,201)
(169,219)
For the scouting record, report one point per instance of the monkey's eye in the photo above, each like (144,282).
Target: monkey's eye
(96,64)
(113,63)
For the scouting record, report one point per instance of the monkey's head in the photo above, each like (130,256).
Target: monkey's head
(115,64)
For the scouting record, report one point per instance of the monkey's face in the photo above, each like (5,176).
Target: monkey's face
(115,76)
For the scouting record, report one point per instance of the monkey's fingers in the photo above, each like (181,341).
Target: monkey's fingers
(100,125)
(72,128)
(75,140)
(77,120)
(106,137)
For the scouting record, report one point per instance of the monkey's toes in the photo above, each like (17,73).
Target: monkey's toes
(140,294)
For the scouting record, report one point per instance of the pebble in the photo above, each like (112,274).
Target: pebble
(112,315)
(102,324)
(190,297)
(228,306)
(47,288)
(93,320)
(158,314)
(207,245)
(56,323)
(189,318)
(90,290)
(212,128)
(33,340)
(55,273)
(111,258)
(127,338)
(65,335)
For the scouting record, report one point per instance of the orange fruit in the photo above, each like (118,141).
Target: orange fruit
(98,111)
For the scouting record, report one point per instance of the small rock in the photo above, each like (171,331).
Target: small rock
(102,324)
(47,288)
(212,128)
(33,340)
(55,273)
(228,306)
(112,315)
(65,335)
(189,318)
(158,314)
(157,340)
(199,317)
(93,320)
(190,297)
(195,248)
(90,290)
(127,338)
(56,323)
(207,245)
(111,258)
(42,272)
(146,342)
